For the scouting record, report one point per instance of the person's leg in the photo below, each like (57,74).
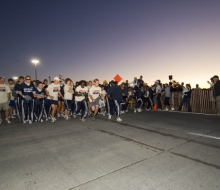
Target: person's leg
(36,110)
(77,109)
(41,110)
(218,104)
(58,108)
(84,110)
(181,104)
(107,106)
(118,110)
(62,108)
(54,109)
(24,111)
(31,110)
(188,105)
(158,101)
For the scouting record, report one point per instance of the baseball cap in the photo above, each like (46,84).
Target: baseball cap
(56,78)
(215,76)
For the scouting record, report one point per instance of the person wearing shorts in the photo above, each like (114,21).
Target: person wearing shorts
(52,92)
(94,95)
(12,100)
(4,99)
(68,96)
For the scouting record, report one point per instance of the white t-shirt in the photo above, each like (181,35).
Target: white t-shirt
(95,92)
(158,88)
(68,95)
(81,90)
(11,88)
(4,91)
(103,94)
(53,91)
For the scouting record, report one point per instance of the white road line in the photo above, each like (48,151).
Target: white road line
(208,136)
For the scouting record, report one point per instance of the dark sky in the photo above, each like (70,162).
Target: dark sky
(89,39)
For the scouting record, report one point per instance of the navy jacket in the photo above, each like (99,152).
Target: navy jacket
(27,90)
(116,93)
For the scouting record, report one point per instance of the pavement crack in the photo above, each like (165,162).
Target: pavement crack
(128,139)
(115,171)
(149,130)
(196,160)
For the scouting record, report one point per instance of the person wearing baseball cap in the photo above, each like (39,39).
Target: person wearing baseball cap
(217,92)
(52,92)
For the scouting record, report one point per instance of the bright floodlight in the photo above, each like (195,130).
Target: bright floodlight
(35,61)
(15,78)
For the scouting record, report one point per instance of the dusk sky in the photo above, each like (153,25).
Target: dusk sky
(87,39)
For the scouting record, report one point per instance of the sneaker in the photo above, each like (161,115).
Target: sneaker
(83,119)
(93,118)
(79,113)
(122,112)
(41,120)
(46,119)
(74,116)
(135,111)
(49,117)
(139,110)
(119,119)
(35,120)
(13,117)
(103,114)
(58,115)
(66,117)
(172,109)
(30,122)
(110,117)
(89,113)
(25,121)
(53,120)
(126,110)
(166,109)
(100,113)
(7,120)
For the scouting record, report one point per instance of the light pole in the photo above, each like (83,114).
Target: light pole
(35,63)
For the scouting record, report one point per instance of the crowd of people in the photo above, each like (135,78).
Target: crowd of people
(36,101)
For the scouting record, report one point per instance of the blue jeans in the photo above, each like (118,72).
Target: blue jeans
(187,100)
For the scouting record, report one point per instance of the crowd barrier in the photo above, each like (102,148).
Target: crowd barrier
(202,101)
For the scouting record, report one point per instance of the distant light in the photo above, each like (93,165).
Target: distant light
(35,61)
(15,78)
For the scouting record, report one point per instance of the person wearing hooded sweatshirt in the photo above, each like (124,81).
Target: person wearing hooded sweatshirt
(186,98)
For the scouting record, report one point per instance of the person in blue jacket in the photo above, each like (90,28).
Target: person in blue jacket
(27,91)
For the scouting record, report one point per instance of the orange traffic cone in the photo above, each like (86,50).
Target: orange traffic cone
(155,107)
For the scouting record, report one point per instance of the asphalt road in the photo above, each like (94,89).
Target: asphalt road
(148,150)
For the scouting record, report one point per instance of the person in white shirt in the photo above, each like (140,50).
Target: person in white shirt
(81,93)
(68,96)
(94,95)
(4,99)
(52,91)
(102,100)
